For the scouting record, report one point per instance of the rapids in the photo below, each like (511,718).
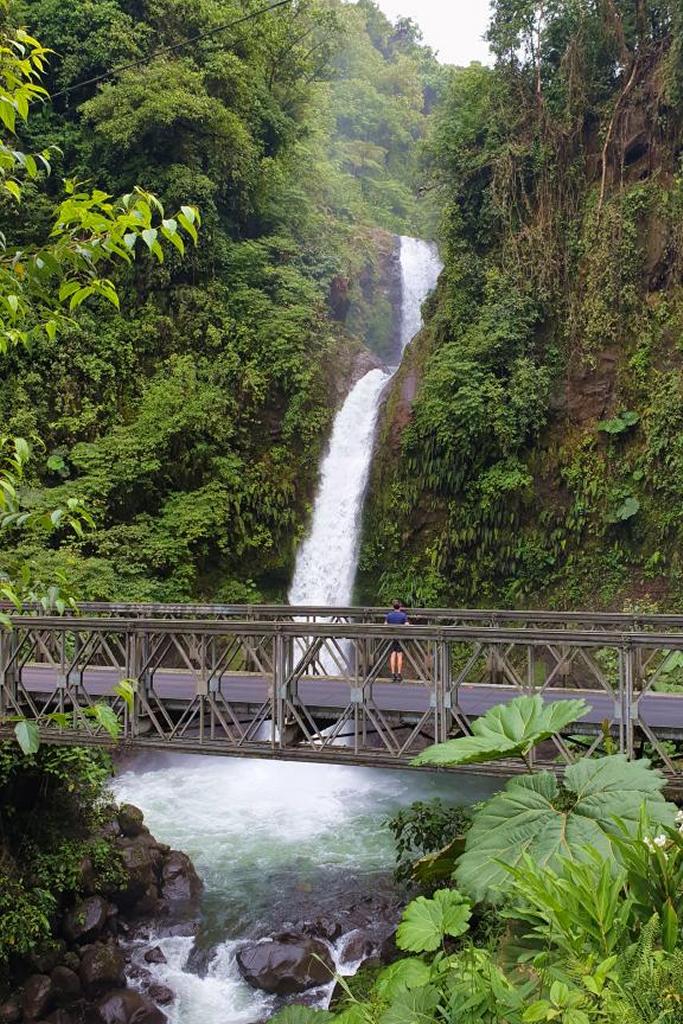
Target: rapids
(274,843)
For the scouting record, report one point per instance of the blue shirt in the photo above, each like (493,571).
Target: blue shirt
(396,618)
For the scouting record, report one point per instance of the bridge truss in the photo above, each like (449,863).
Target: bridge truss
(313,683)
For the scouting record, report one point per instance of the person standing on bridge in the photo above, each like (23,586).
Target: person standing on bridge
(396,617)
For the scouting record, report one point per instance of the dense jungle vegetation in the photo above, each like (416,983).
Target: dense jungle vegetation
(542,459)
(556,900)
(190,425)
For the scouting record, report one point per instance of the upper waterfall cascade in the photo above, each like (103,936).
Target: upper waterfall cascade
(327,559)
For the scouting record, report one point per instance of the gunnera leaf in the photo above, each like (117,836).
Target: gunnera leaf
(425,922)
(505,731)
(538,816)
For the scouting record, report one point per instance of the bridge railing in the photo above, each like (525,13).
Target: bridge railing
(522,618)
(309,688)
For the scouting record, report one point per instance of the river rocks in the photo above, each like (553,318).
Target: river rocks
(38,997)
(180,882)
(66,985)
(286,964)
(324,928)
(155,955)
(102,967)
(86,920)
(161,994)
(80,975)
(130,820)
(10,1010)
(126,1006)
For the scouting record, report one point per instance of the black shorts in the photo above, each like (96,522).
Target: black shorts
(396,647)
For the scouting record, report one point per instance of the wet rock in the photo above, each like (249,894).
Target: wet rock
(357,948)
(286,964)
(86,920)
(47,959)
(155,955)
(149,903)
(72,961)
(180,882)
(10,1010)
(136,972)
(161,994)
(38,997)
(200,959)
(323,928)
(66,984)
(102,967)
(140,862)
(62,1016)
(126,1006)
(131,820)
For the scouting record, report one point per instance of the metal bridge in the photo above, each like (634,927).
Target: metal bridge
(312,683)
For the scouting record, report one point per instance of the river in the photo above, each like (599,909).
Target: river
(273,842)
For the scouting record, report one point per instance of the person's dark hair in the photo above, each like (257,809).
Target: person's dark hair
(397,605)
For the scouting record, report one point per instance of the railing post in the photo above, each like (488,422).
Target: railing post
(444,696)
(279,692)
(9,677)
(625,702)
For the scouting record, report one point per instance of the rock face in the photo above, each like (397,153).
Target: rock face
(286,964)
(86,920)
(126,1006)
(102,968)
(38,997)
(81,974)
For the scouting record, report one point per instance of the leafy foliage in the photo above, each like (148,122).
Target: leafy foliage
(426,922)
(539,816)
(52,804)
(192,424)
(506,730)
(539,462)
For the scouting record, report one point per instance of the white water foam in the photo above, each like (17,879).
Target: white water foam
(326,561)
(271,841)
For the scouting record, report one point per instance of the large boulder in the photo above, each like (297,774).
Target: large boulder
(180,883)
(126,1006)
(102,967)
(140,862)
(10,1010)
(38,997)
(286,964)
(130,820)
(86,920)
(66,984)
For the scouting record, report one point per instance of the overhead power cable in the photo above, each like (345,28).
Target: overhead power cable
(164,50)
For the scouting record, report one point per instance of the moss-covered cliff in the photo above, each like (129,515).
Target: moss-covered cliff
(531,449)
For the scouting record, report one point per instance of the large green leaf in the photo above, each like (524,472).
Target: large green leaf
(402,976)
(536,815)
(414,1007)
(425,922)
(438,866)
(28,736)
(298,1014)
(505,731)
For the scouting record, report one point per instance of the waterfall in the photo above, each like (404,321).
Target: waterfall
(327,559)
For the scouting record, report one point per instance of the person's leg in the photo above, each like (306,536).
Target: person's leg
(392,663)
(399,665)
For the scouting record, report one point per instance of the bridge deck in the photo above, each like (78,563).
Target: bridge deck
(664,712)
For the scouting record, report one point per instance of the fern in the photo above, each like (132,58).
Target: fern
(650,988)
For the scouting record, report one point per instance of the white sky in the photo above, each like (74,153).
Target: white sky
(452,27)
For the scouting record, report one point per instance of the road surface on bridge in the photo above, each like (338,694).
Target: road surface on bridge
(661,711)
